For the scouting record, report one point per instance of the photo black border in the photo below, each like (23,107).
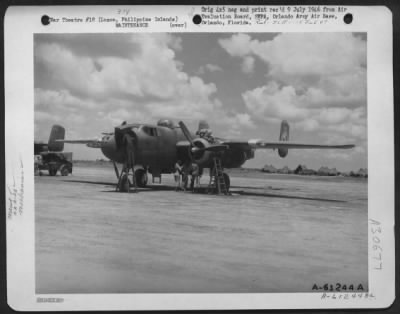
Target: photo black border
(392,5)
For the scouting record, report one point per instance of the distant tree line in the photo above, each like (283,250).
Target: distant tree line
(323,171)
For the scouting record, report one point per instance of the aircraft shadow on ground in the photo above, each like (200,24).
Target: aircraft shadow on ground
(249,193)
(263,188)
(90,182)
(155,188)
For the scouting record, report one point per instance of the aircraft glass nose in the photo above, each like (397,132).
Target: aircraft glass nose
(109,148)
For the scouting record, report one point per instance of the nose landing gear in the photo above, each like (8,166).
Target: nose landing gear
(124,180)
(124,184)
(128,178)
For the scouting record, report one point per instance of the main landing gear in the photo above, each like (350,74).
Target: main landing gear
(141,177)
(129,177)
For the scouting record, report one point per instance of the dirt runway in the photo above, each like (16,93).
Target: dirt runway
(276,233)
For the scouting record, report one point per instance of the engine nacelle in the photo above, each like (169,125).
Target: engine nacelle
(283,152)
(202,157)
(236,158)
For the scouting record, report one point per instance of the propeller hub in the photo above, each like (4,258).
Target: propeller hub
(201,149)
(199,153)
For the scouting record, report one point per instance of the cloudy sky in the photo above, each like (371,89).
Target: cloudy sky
(243,84)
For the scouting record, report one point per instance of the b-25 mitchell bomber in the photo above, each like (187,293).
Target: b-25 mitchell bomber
(156,149)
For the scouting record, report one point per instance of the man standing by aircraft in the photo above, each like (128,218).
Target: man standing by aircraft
(195,176)
(177,175)
(38,163)
(186,168)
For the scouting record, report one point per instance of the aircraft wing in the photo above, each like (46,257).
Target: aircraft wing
(93,143)
(261,144)
(283,144)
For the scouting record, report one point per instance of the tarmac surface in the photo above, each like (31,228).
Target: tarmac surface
(276,233)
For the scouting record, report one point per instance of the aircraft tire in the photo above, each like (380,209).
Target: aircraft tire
(64,170)
(124,184)
(227,181)
(141,178)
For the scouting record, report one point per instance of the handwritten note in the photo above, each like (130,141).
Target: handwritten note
(376,232)
(15,195)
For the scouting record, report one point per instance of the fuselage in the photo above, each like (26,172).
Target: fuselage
(156,148)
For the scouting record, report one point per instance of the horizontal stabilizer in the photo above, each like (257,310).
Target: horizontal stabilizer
(93,143)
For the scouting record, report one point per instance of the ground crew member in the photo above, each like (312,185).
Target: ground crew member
(38,163)
(185,173)
(195,176)
(177,175)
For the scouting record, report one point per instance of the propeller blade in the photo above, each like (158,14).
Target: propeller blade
(186,132)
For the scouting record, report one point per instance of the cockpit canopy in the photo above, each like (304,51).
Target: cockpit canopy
(149,130)
(166,123)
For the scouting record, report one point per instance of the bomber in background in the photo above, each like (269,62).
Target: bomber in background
(50,156)
(145,148)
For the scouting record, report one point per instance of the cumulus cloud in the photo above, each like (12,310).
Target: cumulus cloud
(248,64)
(330,67)
(238,45)
(293,55)
(45,116)
(209,68)
(233,125)
(108,88)
(316,81)
(152,71)
(60,100)
(272,101)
